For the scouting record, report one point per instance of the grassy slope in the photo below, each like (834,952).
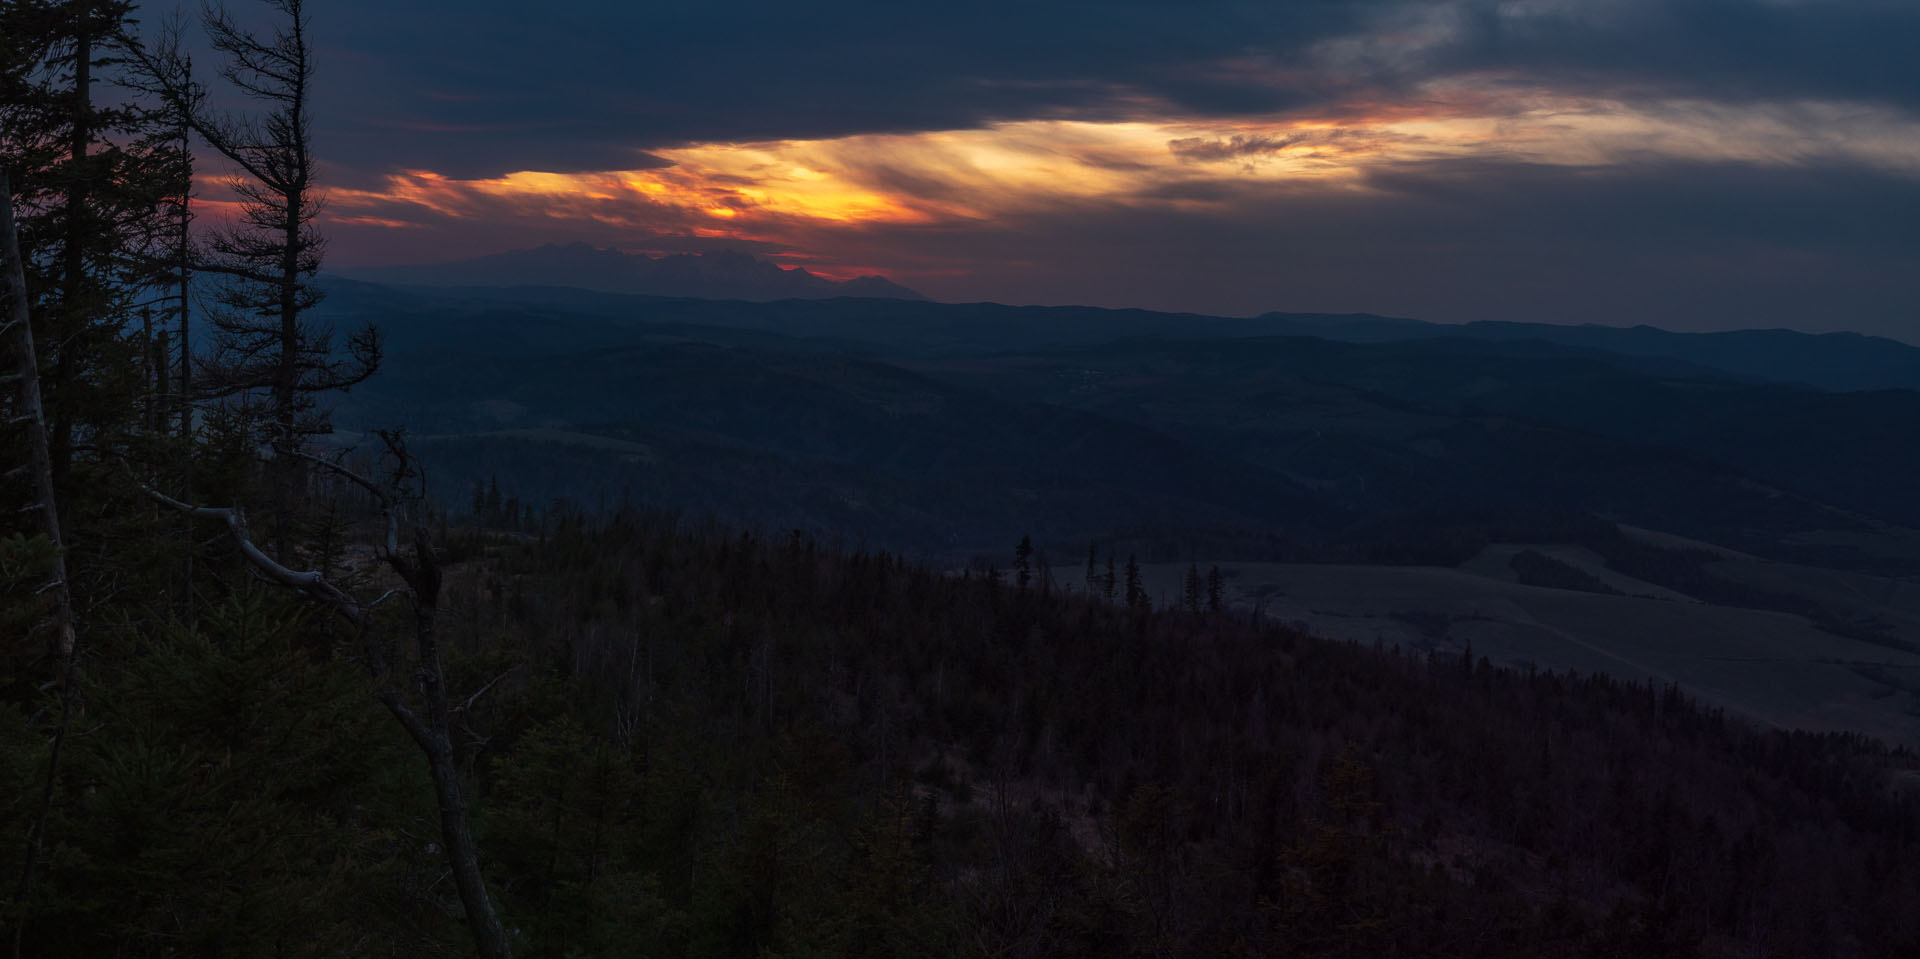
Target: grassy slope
(1774,667)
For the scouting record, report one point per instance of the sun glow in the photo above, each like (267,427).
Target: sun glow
(790,193)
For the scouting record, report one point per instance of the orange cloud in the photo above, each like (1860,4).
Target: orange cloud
(813,197)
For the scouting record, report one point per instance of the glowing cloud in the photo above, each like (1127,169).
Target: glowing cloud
(814,198)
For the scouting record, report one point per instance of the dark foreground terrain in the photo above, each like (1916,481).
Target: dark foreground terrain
(683,740)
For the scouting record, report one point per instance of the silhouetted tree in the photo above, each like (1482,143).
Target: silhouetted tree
(267,354)
(84,175)
(169,255)
(429,723)
(25,408)
(16,338)
(1137,598)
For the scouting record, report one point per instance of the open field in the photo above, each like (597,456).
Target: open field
(1773,667)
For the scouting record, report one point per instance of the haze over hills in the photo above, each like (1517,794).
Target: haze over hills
(576,316)
(727,275)
(1407,464)
(1416,425)
(1830,361)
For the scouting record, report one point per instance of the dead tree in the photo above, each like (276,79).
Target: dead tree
(429,722)
(161,70)
(16,336)
(266,353)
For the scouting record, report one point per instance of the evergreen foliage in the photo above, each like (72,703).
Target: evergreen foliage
(231,793)
(843,754)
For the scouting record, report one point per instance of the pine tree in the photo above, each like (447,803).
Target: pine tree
(89,206)
(1216,591)
(170,257)
(85,178)
(1194,588)
(1137,599)
(40,560)
(268,356)
(16,342)
(74,209)
(234,796)
(556,822)
(1023,562)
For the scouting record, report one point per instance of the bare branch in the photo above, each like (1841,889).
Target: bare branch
(380,495)
(311,582)
(409,720)
(482,691)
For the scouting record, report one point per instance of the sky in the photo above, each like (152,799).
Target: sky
(1694,164)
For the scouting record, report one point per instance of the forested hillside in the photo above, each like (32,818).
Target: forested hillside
(685,740)
(1194,425)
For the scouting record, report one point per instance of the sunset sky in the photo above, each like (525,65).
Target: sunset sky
(1697,164)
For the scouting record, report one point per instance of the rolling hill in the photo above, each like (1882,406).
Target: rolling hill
(1375,491)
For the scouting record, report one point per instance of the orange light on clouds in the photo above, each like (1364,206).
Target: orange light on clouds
(800,194)
(387,223)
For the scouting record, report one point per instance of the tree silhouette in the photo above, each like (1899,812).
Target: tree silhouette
(268,356)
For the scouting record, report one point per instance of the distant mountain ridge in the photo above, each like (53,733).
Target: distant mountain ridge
(1441,420)
(722,275)
(577,316)
(1840,362)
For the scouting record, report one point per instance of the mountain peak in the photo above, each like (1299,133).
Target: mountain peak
(724,274)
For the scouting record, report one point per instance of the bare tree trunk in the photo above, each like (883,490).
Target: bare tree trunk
(421,573)
(26,381)
(183,260)
(19,330)
(422,576)
(281,471)
(73,277)
(152,379)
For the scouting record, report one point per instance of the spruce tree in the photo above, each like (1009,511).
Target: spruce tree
(232,795)
(85,175)
(1136,592)
(269,358)
(154,67)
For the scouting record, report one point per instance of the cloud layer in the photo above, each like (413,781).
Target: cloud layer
(1698,163)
